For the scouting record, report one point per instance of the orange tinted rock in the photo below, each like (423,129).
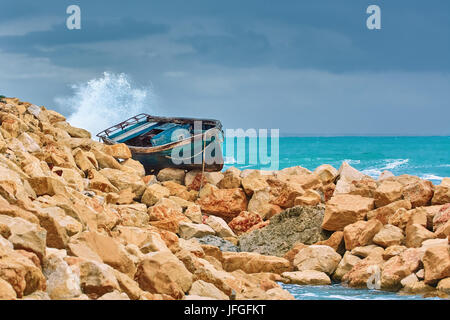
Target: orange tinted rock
(436,261)
(225,203)
(343,210)
(244,221)
(419,193)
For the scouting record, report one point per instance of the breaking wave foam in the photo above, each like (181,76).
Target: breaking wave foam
(105,101)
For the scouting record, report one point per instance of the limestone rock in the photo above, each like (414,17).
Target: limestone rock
(436,261)
(220,227)
(123,180)
(361,233)
(154,193)
(193,230)
(162,272)
(419,193)
(252,262)
(97,279)
(317,257)
(326,173)
(118,151)
(306,277)
(346,264)
(343,210)
(388,236)
(244,221)
(205,289)
(168,174)
(416,234)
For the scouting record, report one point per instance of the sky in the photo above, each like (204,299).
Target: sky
(304,67)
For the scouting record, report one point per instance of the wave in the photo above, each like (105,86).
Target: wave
(394,163)
(102,102)
(431,177)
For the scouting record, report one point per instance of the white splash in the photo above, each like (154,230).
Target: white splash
(431,177)
(105,101)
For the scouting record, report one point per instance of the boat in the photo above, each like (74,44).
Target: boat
(169,142)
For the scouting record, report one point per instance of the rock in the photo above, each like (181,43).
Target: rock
(177,190)
(255,181)
(162,272)
(346,264)
(6,291)
(436,261)
(146,240)
(47,186)
(400,218)
(62,282)
(441,222)
(409,280)
(205,289)
(20,272)
(416,234)
(290,255)
(385,174)
(118,151)
(260,204)
(194,213)
(388,212)
(417,287)
(433,243)
(343,210)
(363,271)
(441,193)
(154,193)
(115,295)
(128,286)
(26,235)
(326,173)
(231,179)
(306,277)
(298,224)
(222,244)
(444,285)
(317,257)
(110,251)
(310,198)
(399,267)
(335,241)
(123,180)
(283,192)
(171,174)
(244,222)
(361,233)
(192,230)
(419,193)
(224,203)
(346,175)
(252,262)
(105,160)
(387,192)
(97,279)
(98,181)
(365,251)
(220,227)
(388,236)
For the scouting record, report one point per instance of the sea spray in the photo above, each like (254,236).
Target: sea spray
(106,101)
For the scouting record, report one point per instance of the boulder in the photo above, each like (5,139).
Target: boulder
(365,251)
(361,233)
(310,198)
(171,174)
(123,180)
(162,272)
(154,193)
(306,277)
(26,235)
(388,236)
(399,267)
(343,210)
(335,241)
(20,272)
(6,291)
(134,166)
(220,227)
(385,213)
(419,193)
(444,285)
(260,204)
(363,271)
(317,257)
(115,295)
(205,289)
(193,230)
(224,203)
(252,262)
(97,279)
(416,234)
(284,192)
(231,179)
(326,173)
(436,261)
(194,213)
(346,264)
(244,222)
(393,251)
(295,225)
(118,151)
(255,181)
(442,193)
(387,192)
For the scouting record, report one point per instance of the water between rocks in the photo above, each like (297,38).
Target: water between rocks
(339,292)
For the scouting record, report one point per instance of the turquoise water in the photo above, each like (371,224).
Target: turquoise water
(426,157)
(338,292)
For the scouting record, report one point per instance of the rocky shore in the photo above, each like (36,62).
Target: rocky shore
(82,220)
